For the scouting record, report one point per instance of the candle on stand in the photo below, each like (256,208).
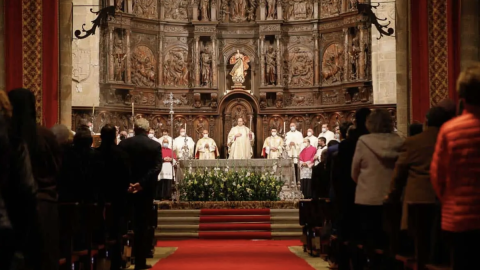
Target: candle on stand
(284,130)
(133,110)
(185,129)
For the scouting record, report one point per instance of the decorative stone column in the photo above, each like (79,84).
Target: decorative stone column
(65,61)
(279,10)
(402,32)
(315,9)
(262,10)
(213,11)
(197,62)
(316,60)
(129,64)
(162,11)
(214,62)
(361,60)
(195,10)
(262,60)
(111,60)
(346,72)
(279,60)
(160,60)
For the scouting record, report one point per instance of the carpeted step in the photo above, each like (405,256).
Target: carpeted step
(234,212)
(223,219)
(235,227)
(234,235)
(178,213)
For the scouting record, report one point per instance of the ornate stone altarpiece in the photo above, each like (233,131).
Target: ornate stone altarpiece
(309,62)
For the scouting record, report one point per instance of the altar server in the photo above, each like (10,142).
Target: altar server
(206,147)
(166,176)
(313,140)
(240,140)
(326,133)
(294,140)
(165,135)
(179,145)
(272,147)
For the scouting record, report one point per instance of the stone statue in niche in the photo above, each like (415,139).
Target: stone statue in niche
(299,9)
(238,10)
(239,111)
(332,64)
(354,55)
(204,10)
(300,69)
(271,9)
(179,124)
(176,68)
(205,67)
(119,5)
(145,8)
(201,125)
(352,4)
(143,67)
(119,56)
(184,99)
(239,70)
(330,7)
(270,63)
(176,9)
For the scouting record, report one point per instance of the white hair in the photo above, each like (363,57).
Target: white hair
(142,123)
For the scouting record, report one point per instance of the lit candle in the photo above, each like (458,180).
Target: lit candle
(93,110)
(133,110)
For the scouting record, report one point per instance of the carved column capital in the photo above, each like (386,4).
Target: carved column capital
(277,37)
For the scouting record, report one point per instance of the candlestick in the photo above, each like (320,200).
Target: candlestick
(185,129)
(284,130)
(133,109)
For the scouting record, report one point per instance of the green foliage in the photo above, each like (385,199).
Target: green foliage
(220,185)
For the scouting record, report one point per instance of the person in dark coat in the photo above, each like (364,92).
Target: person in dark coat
(45,161)
(113,174)
(146,163)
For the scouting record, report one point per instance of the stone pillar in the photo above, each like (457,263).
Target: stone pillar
(346,69)
(2,45)
(402,33)
(214,62)
(195,10)
(279,60)
(262,10)
(315,9)
(160,61)
(262,61)
(361,60)
(197,62)
(162,12)
(128,62)
(316,60)
(65,61)
(213,11)
(279,10)
(111,61)
(469,33)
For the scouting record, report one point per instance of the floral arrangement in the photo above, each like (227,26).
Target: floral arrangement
(227,185)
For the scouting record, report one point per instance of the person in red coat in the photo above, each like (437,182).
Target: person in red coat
(455,173)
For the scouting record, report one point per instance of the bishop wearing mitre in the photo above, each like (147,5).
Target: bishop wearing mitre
(294,141)
(179,146)
(272,147)
(206,147)
(240,140)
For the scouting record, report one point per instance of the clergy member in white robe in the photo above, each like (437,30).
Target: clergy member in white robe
(313,140)
(272,147)
(179,146)
(165,136)
(151,135)
(326,133)
(206,147)
(240,140)
(294,141)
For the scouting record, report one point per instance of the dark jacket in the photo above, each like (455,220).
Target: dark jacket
(145,159)
(412,171)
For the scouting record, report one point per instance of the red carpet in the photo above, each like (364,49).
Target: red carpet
(235,235)
(231,255)
(235,227)
(219,219)
(223,212)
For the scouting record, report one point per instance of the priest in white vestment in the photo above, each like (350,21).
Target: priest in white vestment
(206,147)
(151,135)
(313,140)
(240,140)
(326,133)
(179,146)
(165,136)
(294,141)
(272,147)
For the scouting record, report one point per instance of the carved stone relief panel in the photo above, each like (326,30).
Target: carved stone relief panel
(158,123)
(334,120)
(204,8)
(176,10)
(143,66)
(176,68)
(275,122)
(271,9)
(298,67)
(330,8)
(316,123)
(295,10)
(199,124)
(180,100)
(332,97)
(179,123)
(333,64)
(299,100)
(145,8)
(238,10)
(299,122)
(144,98)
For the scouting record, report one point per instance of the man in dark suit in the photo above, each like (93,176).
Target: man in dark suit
(146,163)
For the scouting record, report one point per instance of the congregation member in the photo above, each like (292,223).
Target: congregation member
(240,141)
(122,135)
(131,133)
(146,163)
(273,146)
(306,162)
(183,144)
(19,232)
(113,173)
(326,133)
(372,169)
(166,136)
(167,175)
(454,173)
(151,135)
(206,147)
(313,140)
(45,162)
(337,133)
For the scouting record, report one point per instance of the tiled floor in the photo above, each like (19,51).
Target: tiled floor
(160,253)
(315,262)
